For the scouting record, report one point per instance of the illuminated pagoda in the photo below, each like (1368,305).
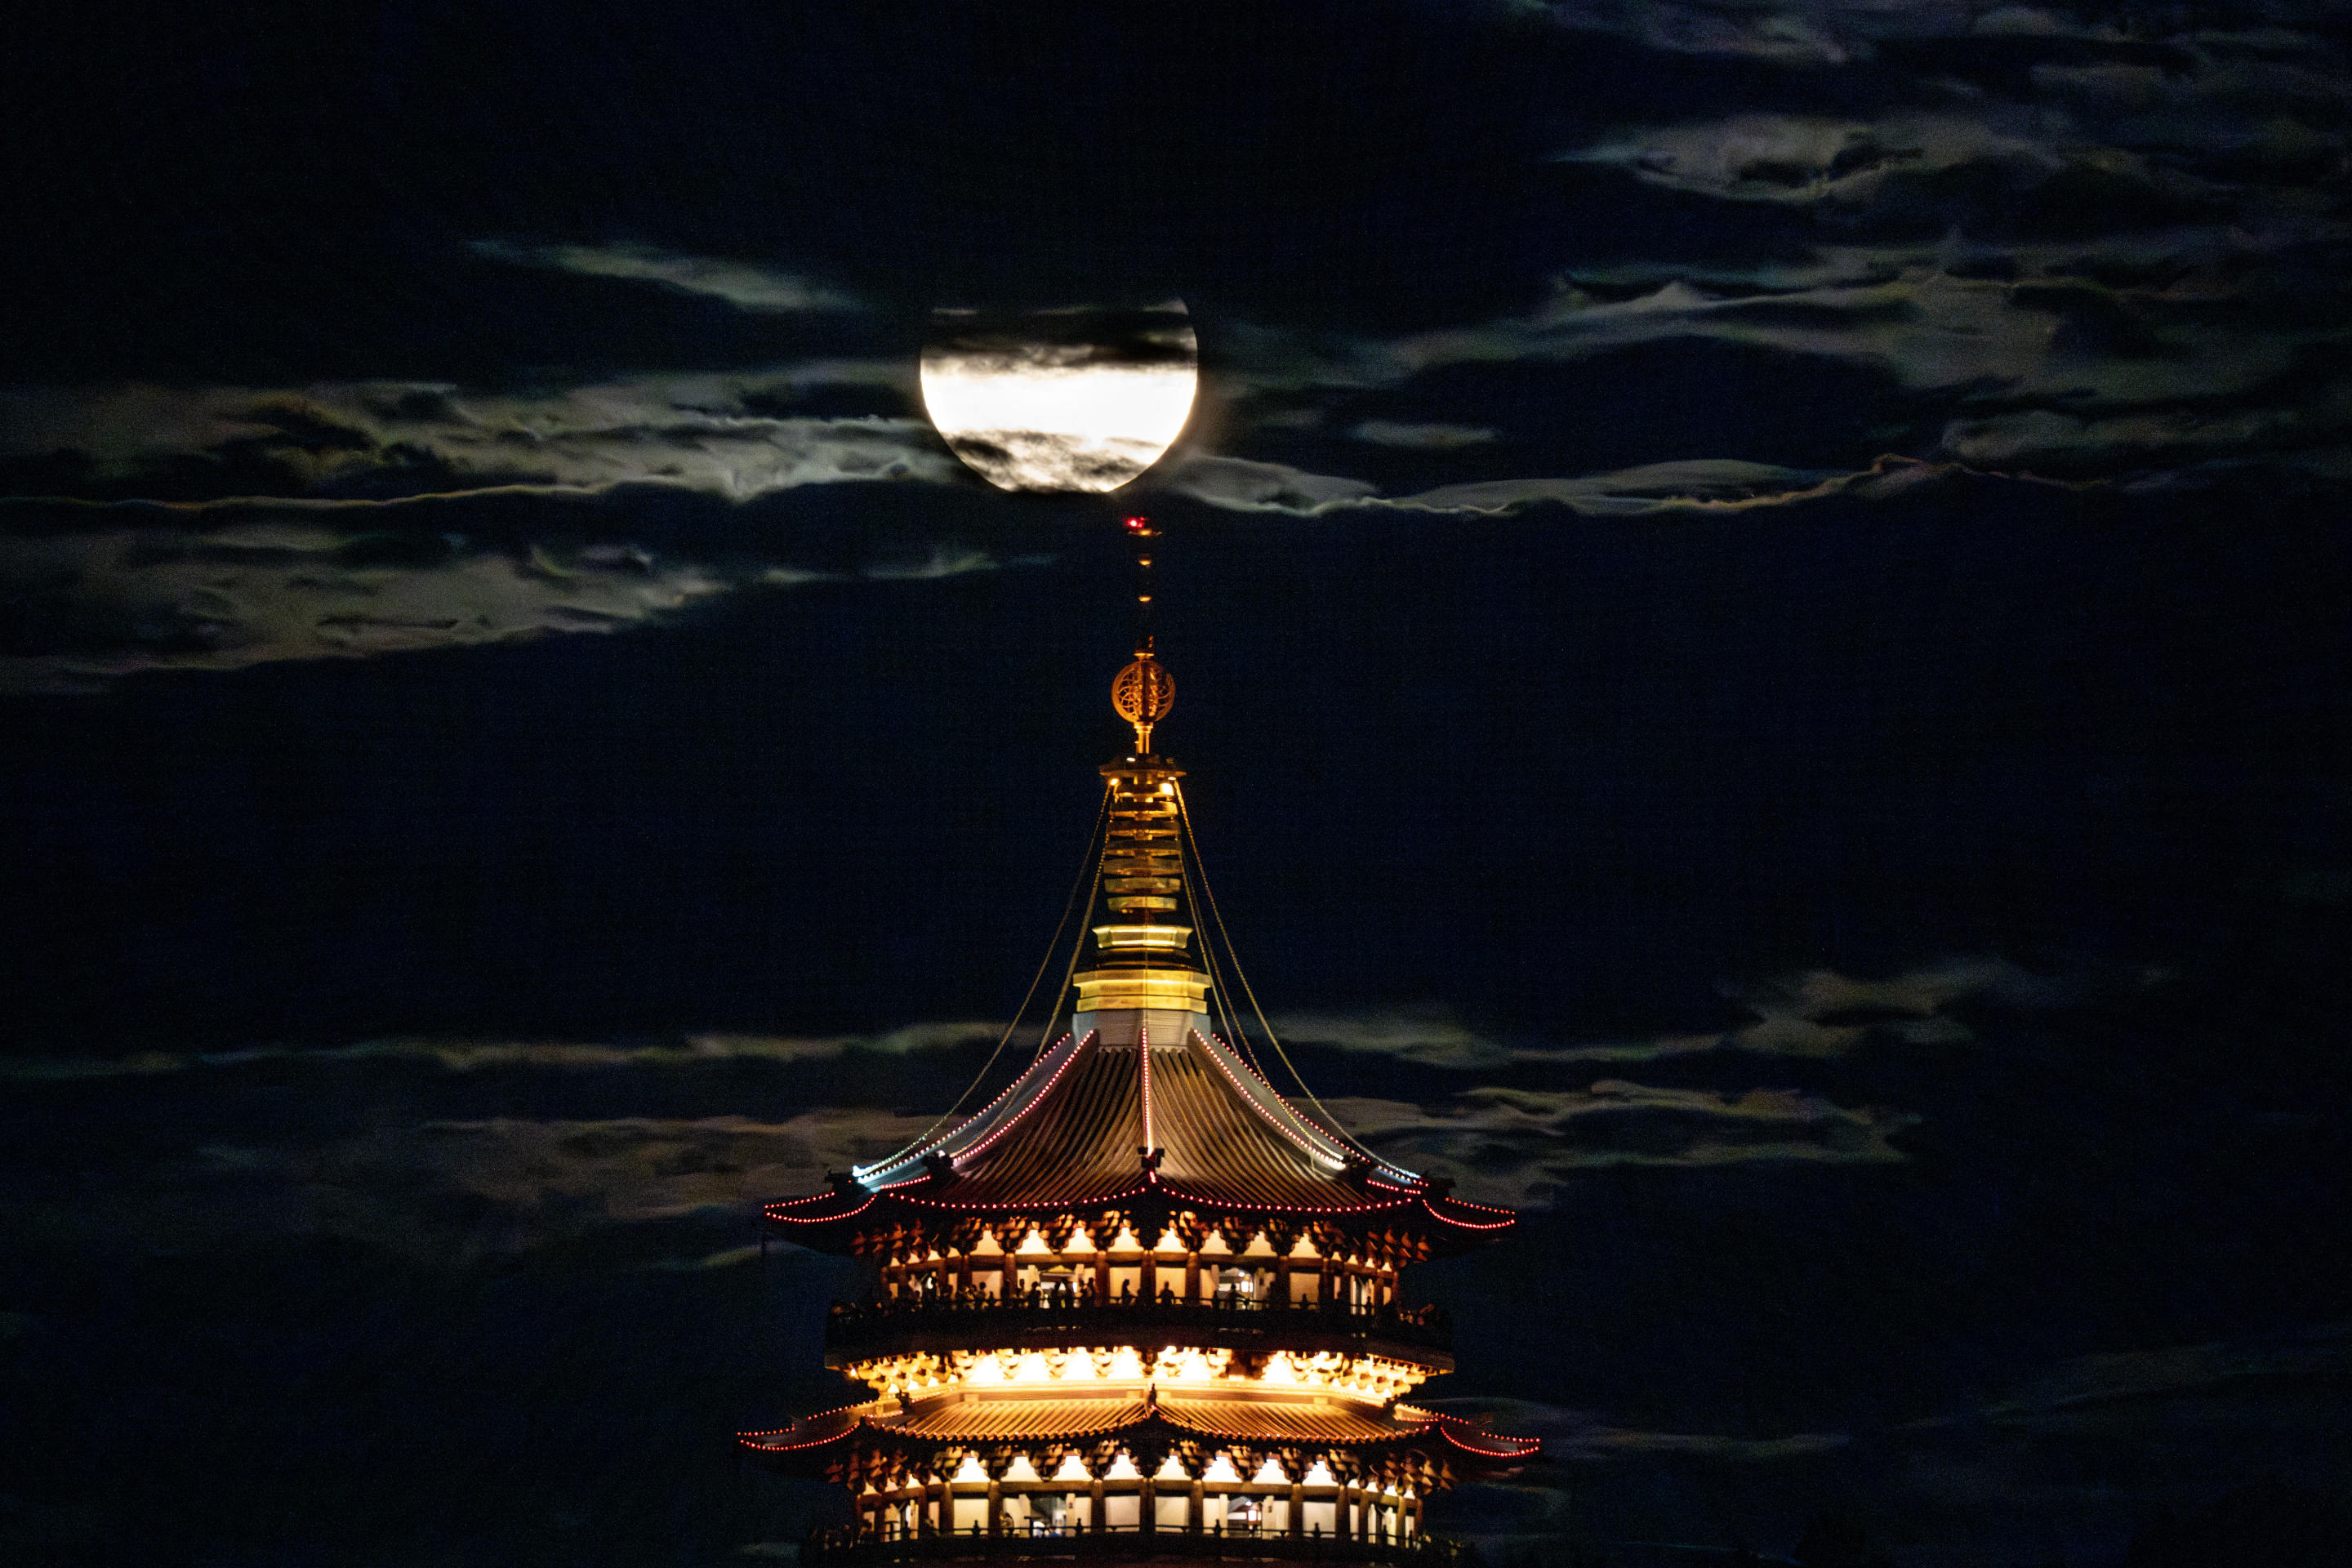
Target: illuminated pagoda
(1140,1304)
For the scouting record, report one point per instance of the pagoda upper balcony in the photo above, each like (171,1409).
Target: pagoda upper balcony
(924,1322)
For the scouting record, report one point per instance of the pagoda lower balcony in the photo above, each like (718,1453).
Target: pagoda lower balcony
(862,1330)
(848,1547)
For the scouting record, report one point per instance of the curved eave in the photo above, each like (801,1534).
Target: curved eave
(828,1222)
(1489,1448)
(819,1440)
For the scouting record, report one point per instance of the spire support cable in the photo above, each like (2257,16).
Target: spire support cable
(1087,865)
(1218,990)
(1331,1124)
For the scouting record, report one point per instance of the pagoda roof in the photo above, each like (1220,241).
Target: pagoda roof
(953,1421)
(1071,1133)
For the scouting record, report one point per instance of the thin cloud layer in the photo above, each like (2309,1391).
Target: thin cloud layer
(1514,1146)
(730,435)
(2074,248)
(99,604)
(484,1056)
(445,1191)
(1587,1436)
(747,286)
(2112,1384)
(1818,1014)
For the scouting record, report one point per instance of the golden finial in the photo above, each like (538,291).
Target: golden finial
(1143,692)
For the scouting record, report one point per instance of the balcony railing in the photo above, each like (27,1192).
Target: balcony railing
(847,1546)
(1039,1317)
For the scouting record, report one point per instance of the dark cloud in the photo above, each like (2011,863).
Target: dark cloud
(1816,1015)
(481,1056)
(460,1189)
(1585,1435)
(99,604)
(1515,1146)
(733,435)
(1440,438)
(1702,510)
(1065,337)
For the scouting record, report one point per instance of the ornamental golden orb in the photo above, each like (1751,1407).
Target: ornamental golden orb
(1143,693)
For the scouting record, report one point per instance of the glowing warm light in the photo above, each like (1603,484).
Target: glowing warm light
(1032,1368)
(970,1470)
(1278,1369)
(1071,1470)
(1270,1475)
(1170,937)
(1171,1471)
(1079,400)
(984,1370)
(1318,1474)
(1126,1364)
(1220,1468)
(1193,1367)
(1020,1470)
(1123,1469)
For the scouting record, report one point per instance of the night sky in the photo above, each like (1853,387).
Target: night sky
(1758,596)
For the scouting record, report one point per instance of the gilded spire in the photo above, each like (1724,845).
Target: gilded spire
(1144,692)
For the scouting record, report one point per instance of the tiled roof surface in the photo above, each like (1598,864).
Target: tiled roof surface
(1015,1418)
(1269,1421)
(1070,1132)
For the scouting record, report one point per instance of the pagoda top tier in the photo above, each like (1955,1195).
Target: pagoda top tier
(1163,1125)
(1145,1110)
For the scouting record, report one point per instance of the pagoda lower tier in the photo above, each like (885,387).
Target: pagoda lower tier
(1206,1456)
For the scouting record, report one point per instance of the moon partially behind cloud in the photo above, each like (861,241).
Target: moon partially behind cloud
(1084,398)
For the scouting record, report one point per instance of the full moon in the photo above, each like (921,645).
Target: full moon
(1084,398)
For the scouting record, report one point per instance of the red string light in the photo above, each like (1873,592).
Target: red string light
(948,1136)
(1251,1100)
(1035,1100)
